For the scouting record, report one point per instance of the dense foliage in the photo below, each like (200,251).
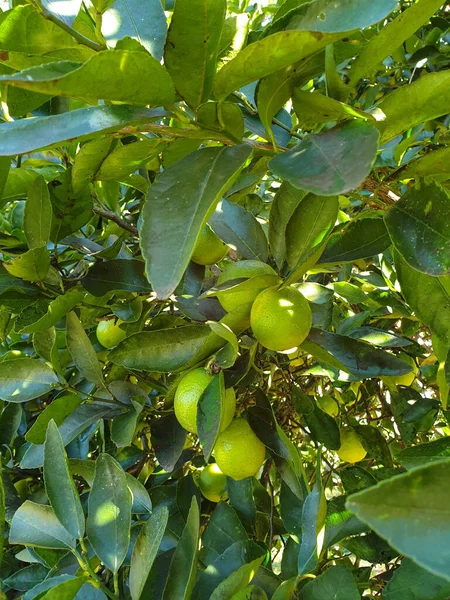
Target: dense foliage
(314,140)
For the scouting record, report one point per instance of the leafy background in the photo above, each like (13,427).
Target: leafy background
(312,136)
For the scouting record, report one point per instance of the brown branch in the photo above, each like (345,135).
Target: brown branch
(381,191)
(111,216)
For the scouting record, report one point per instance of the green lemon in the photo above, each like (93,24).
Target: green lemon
(351,449)
(187,395)
(238,452)
(109,334)
(329,405)
(212,483)
(280,318)
(209,248)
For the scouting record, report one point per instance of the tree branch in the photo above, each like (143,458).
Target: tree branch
(111,216)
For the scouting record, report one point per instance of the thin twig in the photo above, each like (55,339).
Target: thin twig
(79,37)
(111,216)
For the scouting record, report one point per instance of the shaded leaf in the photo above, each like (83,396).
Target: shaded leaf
(23,379)
(411,582)
(82,352)
(38,214)
(37,525)
(210,414)
(436,162)
(285,201)
(313,521)
(336,583)
(168,438)
(423,454)
(26,578)
(41,316)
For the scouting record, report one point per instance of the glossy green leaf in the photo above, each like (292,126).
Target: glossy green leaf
(123,427)
(429,297)
(313,521)
(37,525)
(308,228)
(210,414)
(59,484)
(192,46)
(238,581)
(10,420)
(56,411)
(27,135)
(41,316)
(267,56)
(126,159)
(143,21)
(238,227)
(358,358)
(162,351)
(38,214)
(436,162)
(314,107)
(411,582)
(425,98)
(137,78)
(325,163)
(109,513)
(26,578)
(23,379)
(5,169)
(80,419)
(409,511)
(375,444)
(61,584)
(88,161)
(222,530)
(233,558)
(183,567)
(145,550)
(285,201)
(423,454)
(65,590)
(355,240)
(324,428)
(419,226)
(30,266)
(336,583)
(23,29)
(117,274)
(168,438)
(390,37)
(177,207)
(82,352)
(226,357)
(242,500)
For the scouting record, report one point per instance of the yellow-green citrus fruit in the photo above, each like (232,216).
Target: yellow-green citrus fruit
(251,592)
(238,452)
(258,276)
(212,483)
(109,334)
(280,318)
(407,379)
(209,248)
(351,449)
(329,405)
(187,395)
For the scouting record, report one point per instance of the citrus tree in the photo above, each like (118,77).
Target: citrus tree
(225,299)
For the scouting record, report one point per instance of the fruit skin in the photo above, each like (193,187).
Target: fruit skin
(406,379)
(329,405)
(212,483)
(259,276)
(351,449)
(280,318)
(238,452)
(209,248)
(109,333)
(187,395)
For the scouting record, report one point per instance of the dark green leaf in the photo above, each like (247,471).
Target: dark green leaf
(324,428)
(189,190)
(41,316)
(82,352)
(375,444)
(87,162)
(59,484)
(23,379)
(325,163)
(314,107)
(210,414)
(238,581)
(409,511)
(49,583)
(118,274)
(10,420)
(29,134)
(37,525)
(109,513)
(411,582)
(340,523)
(336,583)
(183,567)
(38,214)
(423,454)
(126,159)
(145,550)
(355,240)
(57,411)
(238,227)
(222,530)
(168,438)
(419,226)
(436,162)
(192,47)
(313,521)
(26,578)
(283,206)
(358,358)
(242,499)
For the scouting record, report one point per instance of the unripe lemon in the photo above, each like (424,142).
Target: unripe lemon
(258,275)
(212,483)
(187,395)
(238,452)
(109,333)
(351,449)
(329,405)
(209,248)
(407,379)
(280,318)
